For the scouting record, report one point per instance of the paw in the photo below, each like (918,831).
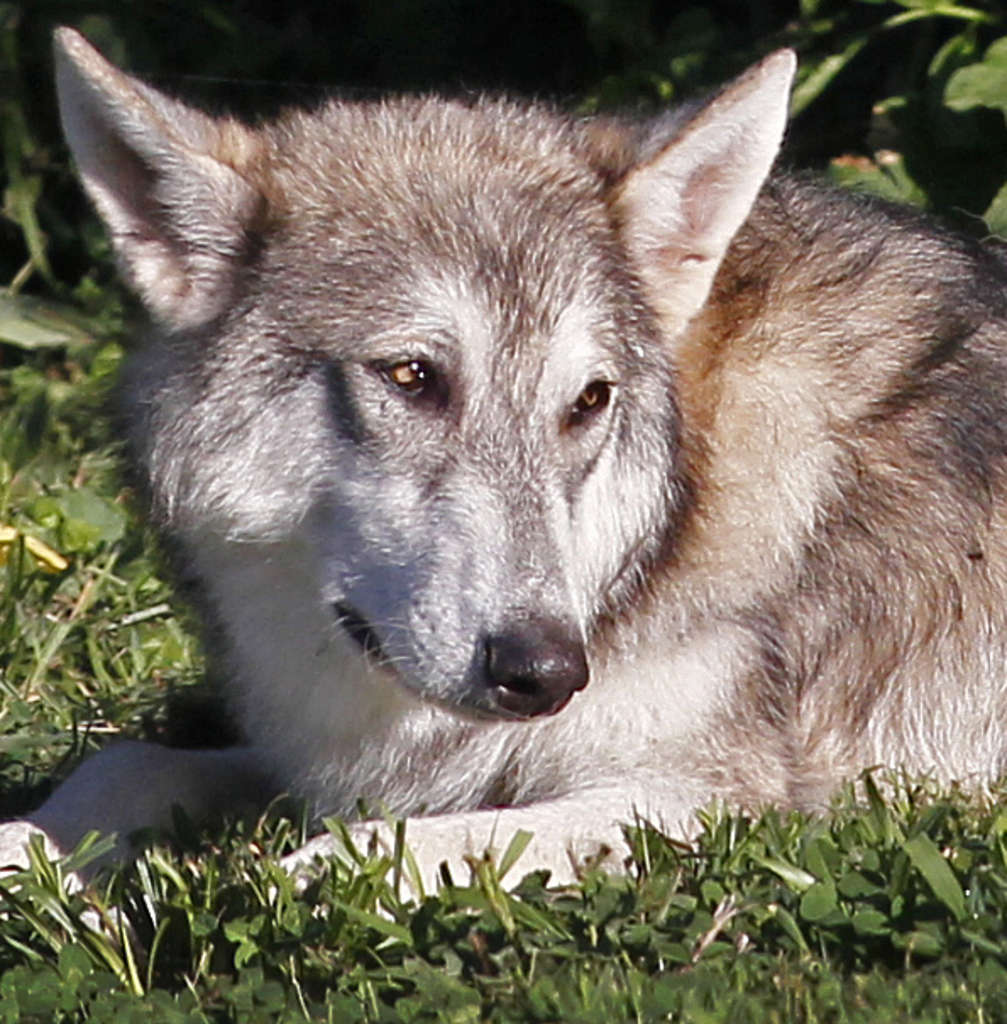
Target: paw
(365,839)
(303,863)
(14,840)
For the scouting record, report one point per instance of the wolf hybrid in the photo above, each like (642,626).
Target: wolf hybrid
(538,472)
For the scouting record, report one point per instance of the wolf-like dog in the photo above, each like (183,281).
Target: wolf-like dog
(540,472)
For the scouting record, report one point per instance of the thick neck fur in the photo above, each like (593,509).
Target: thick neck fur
(843,412)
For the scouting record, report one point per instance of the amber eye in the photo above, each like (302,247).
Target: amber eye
(410,375)
(417,378)
(590,402)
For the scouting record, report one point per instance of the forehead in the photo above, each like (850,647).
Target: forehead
(427,207)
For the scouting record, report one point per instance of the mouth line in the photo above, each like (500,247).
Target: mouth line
(365,636)
(360,630)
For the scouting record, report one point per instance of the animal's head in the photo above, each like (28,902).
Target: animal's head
(431,338)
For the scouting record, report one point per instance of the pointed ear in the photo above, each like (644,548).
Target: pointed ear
(167,180)
(680,207)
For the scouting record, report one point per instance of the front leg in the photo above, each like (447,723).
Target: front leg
(568,835)
(132,785)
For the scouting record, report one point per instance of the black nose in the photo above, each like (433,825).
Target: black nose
(535,667)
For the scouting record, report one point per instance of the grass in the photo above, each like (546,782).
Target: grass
(85,616)
(891,909)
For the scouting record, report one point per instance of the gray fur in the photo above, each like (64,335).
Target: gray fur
(541,471)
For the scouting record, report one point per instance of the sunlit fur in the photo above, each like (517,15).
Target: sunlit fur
(780,541)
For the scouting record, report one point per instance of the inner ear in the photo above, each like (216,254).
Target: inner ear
(161,176)
(680,208)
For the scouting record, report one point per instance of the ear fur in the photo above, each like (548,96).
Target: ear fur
(166,180)
(680,207)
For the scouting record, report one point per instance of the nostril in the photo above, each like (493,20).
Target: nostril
(535,666)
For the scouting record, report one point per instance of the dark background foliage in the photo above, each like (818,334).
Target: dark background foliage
(874,78)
